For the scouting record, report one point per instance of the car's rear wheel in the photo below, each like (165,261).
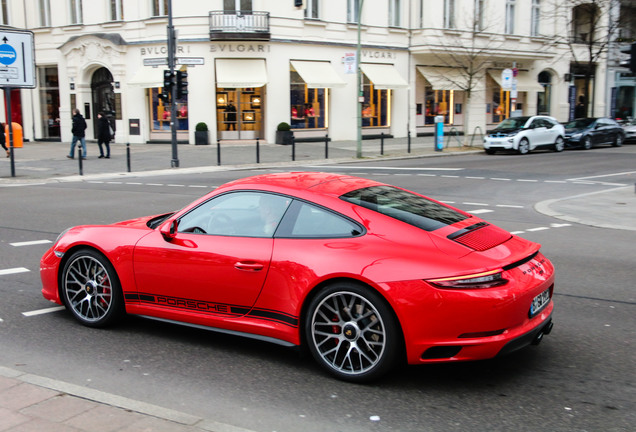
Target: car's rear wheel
(352,333)
(559,145)
(618,141)
(91,289)
(587,143)
(524,146)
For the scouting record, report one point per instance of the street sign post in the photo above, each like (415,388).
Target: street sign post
(17,70)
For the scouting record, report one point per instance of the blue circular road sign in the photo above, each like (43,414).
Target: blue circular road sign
(7,54)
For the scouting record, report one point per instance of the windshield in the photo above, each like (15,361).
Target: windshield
(405,206)
(512,123)
(580,123)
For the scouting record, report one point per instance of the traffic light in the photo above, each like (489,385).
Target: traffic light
(167,80)
(630,62)
(182,84)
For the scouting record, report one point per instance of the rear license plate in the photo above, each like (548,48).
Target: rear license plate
(539,302)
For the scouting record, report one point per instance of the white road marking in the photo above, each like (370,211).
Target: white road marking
(481,211)
(499,179)
(43,311)
(14,271)
(527,180)
(538,229)
(508,206)
(30,243)
(475,203)
(476,178)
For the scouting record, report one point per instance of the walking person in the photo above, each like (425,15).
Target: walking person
(3,140)
(103,135)
(79,134)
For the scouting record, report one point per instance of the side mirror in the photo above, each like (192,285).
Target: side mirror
(169,230)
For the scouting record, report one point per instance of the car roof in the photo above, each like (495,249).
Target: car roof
(290,182)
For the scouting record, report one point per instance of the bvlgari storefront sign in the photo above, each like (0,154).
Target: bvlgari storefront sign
(239,48)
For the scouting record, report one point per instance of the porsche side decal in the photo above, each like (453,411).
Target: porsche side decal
(212,308)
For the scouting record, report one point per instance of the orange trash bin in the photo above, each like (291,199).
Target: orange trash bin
(17,135)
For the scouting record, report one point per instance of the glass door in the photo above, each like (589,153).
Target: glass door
(239,113)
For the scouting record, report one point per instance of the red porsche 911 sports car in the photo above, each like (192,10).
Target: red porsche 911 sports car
(362,273)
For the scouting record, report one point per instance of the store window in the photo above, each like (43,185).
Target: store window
(438,103)
(160,112)
(239,112)
(308,105)
(48,85)
(376,106)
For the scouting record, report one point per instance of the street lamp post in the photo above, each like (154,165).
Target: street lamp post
(360,90)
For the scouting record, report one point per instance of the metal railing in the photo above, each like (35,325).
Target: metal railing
(239,22)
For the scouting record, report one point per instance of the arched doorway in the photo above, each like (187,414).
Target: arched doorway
(543,98)
(103,96)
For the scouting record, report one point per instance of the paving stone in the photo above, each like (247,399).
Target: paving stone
(103,418)
(60,408)
(24,395)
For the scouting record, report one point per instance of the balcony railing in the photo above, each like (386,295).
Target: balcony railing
(239,25)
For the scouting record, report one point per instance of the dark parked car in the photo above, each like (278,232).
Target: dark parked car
(588,132)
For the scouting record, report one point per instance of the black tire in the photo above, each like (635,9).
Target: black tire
(352,332)
(524,146)
(587,143)
(490,151)
(91,289)
(618,141)
(559,145)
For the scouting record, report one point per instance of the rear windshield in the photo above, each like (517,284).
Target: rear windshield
(405,206)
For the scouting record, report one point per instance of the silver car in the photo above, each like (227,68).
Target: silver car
(630,131)
(524,134)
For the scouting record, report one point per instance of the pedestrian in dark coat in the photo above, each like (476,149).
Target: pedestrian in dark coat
(103,135)
(79,133)
(3,140)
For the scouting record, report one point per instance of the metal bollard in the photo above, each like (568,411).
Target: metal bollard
(80,157)
(326,146)
(128,156)
(408,141)
(382,143)
(218,151)
(258,151)
(293,148)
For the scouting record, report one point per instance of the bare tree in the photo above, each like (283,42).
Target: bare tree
(469,53)
(591,26)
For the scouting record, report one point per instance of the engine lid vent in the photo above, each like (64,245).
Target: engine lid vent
(481,236)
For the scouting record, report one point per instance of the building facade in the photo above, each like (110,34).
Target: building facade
(252,64)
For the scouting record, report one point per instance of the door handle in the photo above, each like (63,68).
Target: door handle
(248,266)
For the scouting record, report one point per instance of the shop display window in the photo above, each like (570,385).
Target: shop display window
(308,105)
(239,109)
(160,112)
(438,103)
(376,106)
(49,101)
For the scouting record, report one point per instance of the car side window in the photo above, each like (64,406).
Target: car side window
(242,214)
(312,221)
(536,123)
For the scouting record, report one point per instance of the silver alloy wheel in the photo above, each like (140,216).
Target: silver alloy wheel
(524,146)
(559,145)
(348,333)
(88,289)
(587,143)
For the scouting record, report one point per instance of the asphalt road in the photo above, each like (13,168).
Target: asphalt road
(580,378)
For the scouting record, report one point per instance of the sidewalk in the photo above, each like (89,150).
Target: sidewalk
(31,403)
(47,161)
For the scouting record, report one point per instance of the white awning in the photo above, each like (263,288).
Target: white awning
(318,74)
(443,78)
(240,73)
(525,81)
(147,77)
(383,76)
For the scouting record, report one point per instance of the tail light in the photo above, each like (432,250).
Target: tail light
(489,279)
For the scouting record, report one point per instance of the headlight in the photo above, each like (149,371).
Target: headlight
(576,136)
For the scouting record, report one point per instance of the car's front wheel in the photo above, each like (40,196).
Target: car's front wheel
(490,151)
(90,289)
(559,144)
(524,146)
(352,333)
(587,143)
